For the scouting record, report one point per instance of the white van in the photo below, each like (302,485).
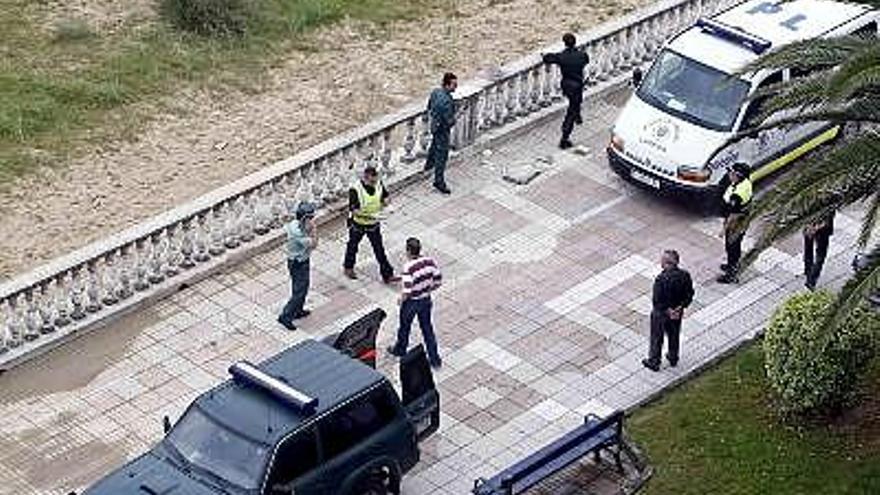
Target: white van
(668,135)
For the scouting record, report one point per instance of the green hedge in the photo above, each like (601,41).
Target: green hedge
(810,370)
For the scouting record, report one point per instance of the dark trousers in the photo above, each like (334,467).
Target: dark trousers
(299,287)
(438,154)
(409,310)
(733,248)
(573,114)
(662,325)
(357,232)
(815,250)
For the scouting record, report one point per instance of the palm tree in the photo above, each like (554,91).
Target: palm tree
(842,86)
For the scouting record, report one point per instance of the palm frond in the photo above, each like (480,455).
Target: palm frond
(807,54)
(854,84)
(854,292)
(869,221)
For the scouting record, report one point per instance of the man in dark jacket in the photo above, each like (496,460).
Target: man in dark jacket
(816,238)
(673,291)
(571,62)
(441,112)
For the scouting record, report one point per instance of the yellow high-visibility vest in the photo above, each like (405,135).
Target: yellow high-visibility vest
(743,189)
(371,204)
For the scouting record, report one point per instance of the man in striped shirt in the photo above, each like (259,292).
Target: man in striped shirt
(420,277)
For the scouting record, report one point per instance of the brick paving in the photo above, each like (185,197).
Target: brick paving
(543,318)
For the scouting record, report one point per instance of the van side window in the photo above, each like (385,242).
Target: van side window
(867,31)
(755,106)
(355,422)
(295,457)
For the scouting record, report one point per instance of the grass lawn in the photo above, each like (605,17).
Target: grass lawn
(717,435)
(60,82)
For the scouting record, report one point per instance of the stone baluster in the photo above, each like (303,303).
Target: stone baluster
(537,88)
(455,134)
(331,177)
(290,185)
(487,108)
(499,102)
(189,233)
(265,200)
(15,323)
(409,142)
(652,43)
(78,295)
(142,264)
(64,295)
(547,86)
(126,268)
(202,238)
(637,43)
(512,99)
(341,163)
(607,69)
(45,303)
(232,210)
(306,190)
(216,224)
(33,321)
(110,275)
(279,192)
(317,170)
(425,136)
(472,119)
(159,254)
(622,56)
(94,287)
(5,318)
(173,250)
(247,222)
(387,156)
(591,71)
(524,94)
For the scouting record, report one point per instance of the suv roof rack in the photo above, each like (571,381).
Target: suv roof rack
(249,374)
(730,33)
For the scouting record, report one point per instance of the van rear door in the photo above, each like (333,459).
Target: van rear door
(419,394)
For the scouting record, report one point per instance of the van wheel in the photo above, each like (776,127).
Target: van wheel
(379,481)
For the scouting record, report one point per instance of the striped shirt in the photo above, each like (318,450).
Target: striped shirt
(420,276)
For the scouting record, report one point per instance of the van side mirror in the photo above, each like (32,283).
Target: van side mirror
(166,424)
(636,77)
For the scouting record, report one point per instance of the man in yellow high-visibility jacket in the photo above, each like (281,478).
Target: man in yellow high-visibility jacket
(736,200)
(365,202)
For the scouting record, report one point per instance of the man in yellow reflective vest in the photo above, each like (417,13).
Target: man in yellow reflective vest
(735,204)
(365,202)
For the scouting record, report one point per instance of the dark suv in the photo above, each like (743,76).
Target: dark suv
(307,421)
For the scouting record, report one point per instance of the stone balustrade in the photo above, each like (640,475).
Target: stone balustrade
(44,307)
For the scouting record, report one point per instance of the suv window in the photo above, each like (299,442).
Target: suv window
(296,456)
(756,105)
(356,421)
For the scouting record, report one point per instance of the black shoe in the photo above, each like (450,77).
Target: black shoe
(727,278)
(578,120)
(286,324)
(443,188)
(809,284)
(724,267)
(428,166)
(391,350)
(672,362)
(437,365)
(302,314)
(647,364)
(391,280)
(565,144)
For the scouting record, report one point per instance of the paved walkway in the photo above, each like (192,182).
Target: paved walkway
(543,318)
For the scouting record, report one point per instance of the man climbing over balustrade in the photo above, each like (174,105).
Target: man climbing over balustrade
(571,62)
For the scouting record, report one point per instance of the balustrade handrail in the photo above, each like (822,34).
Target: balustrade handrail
(96,277)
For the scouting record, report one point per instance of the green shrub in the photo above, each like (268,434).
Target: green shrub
(219,18)
(810,370)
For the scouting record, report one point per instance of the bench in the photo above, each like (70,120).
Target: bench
(593,436)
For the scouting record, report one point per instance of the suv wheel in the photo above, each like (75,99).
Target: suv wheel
(378,481)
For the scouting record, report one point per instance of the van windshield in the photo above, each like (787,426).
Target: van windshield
(693,91)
